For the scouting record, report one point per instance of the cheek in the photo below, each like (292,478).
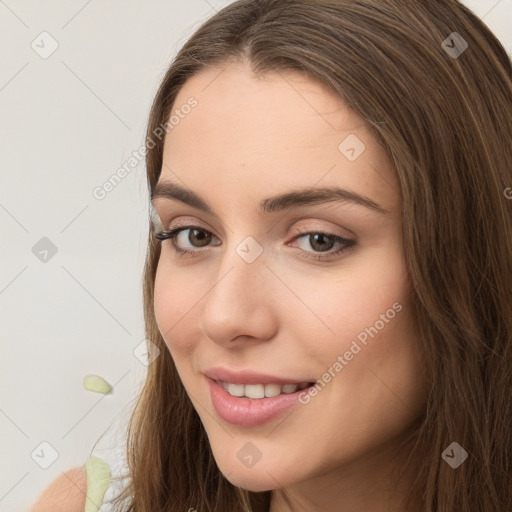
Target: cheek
(174,299)
(376,337)
(371,326)
(368,295)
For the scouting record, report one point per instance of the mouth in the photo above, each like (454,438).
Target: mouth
(259,391)
(250,405)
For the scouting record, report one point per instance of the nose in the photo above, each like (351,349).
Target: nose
(240,305)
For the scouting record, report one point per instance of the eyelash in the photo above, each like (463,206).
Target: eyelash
(173,233)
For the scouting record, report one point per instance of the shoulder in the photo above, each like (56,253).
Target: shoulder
(65,494)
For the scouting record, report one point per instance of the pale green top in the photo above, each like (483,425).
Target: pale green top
(98,481)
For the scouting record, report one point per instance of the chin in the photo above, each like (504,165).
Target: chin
(258,478)
(256,482)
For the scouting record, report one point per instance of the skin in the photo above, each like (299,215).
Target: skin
(284,314)
(67,493)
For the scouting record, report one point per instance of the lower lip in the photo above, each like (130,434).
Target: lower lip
(249,412)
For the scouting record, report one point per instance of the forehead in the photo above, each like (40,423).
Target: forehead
(269,132)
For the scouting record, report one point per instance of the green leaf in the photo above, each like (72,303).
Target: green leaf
(98,480)
(97,384)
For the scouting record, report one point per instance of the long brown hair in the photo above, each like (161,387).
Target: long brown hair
(445,121)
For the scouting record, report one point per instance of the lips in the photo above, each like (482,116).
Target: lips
(250,377)
(248,412)
(269,395)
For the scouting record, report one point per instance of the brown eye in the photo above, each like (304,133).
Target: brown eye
(321,246)
(199,237)
(183,244)
(321,241)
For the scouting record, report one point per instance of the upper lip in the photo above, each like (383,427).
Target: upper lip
(248,377)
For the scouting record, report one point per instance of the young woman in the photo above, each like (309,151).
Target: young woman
(329,268)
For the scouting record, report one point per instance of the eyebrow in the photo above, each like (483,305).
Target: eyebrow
(293,198)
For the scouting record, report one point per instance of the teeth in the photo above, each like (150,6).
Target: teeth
(234,389)
(272,390)
(256,391)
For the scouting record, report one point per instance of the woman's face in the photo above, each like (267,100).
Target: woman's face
(252,298)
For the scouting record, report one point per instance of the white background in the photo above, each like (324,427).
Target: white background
(67,123)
